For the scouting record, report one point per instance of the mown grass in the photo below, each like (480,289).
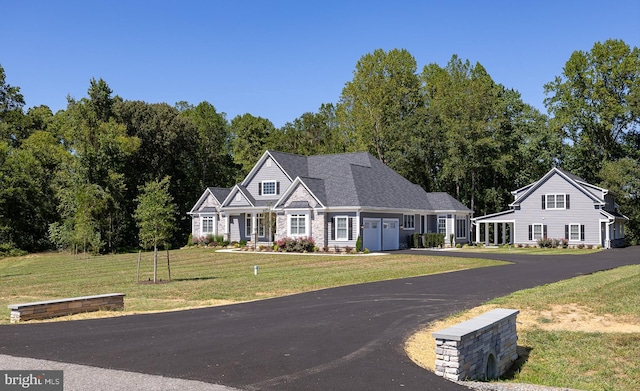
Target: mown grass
(553,351)
(203,277)
(582,360)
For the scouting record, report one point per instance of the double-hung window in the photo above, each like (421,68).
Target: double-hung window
(442,225)
(342,228)
(537,231)
(298,225)
(207,224)
(461,227)
(555,201)
(248,226)
(574,231)
(409,222)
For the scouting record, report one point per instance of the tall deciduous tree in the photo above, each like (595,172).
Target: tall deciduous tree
(596,104)
(250,137)
(465,101)
(155,216)
(310,134)
(11,103)
(385,90)
(214,150)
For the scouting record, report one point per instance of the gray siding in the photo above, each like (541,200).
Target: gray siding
(242,202)
(265,173)
(581,211)
(236,224)
(355,228)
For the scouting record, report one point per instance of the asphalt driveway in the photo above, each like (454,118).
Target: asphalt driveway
(348,338)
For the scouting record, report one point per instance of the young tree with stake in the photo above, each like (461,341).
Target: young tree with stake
(155,215)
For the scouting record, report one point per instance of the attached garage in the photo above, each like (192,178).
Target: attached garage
(372,234)
(390,234)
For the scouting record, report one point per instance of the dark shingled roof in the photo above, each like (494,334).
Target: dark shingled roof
(293,165)
(221,193)
(360,180)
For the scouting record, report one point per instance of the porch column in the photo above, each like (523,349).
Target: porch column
(504,233)
(254,229)
(486,234)
(608,239)
(512,238)
(478,232)
(495,234)
(227,227)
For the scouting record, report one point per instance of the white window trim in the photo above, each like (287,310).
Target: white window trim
(555,202)
(306,225)
(409,227)
(579,233)
(213,224)
(275,188)
(533,231)
(464,219)
(346,218)
(248,229)
(442,217)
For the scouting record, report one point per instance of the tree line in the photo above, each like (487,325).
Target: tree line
(74,178)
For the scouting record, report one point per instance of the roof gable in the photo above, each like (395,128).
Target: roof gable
(574,180)
(238,196)
(311,195)
(218,195)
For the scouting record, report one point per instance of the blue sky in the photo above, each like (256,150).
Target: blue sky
(280,59)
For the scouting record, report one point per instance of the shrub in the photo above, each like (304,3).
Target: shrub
(458,245)
(300,245)
(580,246)
(416,240)
(325,249)
(590,246)
(348,249)
(359,243)
(9,250)
(451,240)
(242,243)
(545,243)
(366,250)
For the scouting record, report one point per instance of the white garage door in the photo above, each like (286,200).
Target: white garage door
(390,234)
(371,234)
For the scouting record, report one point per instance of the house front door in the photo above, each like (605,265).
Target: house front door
(371,234)
(390,234)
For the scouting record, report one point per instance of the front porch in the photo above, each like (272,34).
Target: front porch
(494,232)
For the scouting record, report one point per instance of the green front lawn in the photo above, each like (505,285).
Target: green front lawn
(203,277)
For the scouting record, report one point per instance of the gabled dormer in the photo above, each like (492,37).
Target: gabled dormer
(551,197)
(269,178)
(239,197)
(210,201)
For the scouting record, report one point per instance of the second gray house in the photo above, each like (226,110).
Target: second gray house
(560,206)
(330,198)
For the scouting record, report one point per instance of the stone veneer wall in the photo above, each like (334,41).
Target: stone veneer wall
(63,307)
(478,349)
(316,218)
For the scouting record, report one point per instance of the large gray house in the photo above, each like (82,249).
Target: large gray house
(330,198)
(558,206)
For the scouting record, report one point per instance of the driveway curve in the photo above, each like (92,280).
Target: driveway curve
(347,338)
